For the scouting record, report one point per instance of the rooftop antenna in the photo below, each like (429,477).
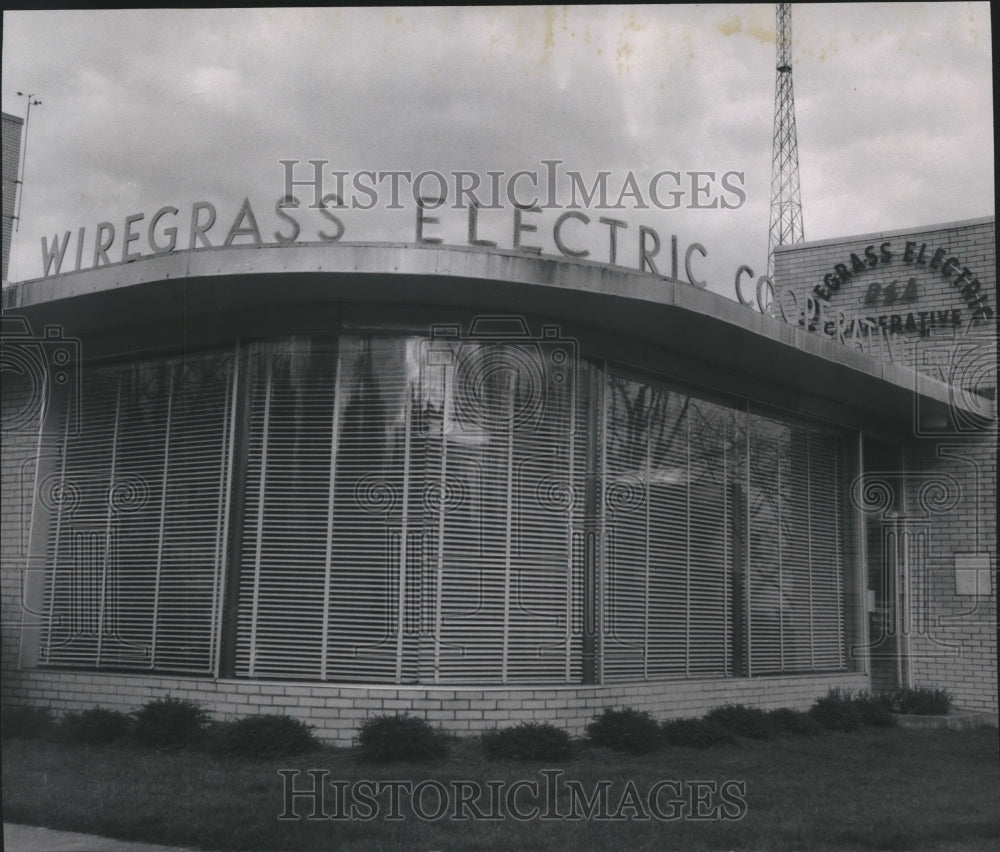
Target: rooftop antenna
(786,197)
(32,101)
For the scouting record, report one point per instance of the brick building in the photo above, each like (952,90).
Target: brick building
(332,480)
(928,299)
(11,127)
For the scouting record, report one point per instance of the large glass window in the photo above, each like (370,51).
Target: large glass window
(670,465)
(795,555)
(408,513)
(460,508)
(136,542)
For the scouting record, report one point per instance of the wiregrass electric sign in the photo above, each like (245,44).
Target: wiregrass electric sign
(890,306)
(892,294)
(888,294)
(167,230)
(445,205)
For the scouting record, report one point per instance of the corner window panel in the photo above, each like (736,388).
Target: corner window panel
(284,559)
(409,513)
(509,452)
(136,532)
(670,461)
(795,575)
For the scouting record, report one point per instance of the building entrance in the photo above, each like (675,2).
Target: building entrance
(887,540)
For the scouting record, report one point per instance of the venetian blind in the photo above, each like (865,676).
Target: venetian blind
(408,512)
(794,580)
(668,463)
(136,537)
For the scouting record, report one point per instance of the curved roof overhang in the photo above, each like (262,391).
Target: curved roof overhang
(817,374)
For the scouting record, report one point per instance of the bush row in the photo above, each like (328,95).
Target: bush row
(391,738)
(165,723)
(841,711)
(169,723)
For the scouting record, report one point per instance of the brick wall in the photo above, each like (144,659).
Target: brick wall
(925,278)
(16,487)
(11,150)
(337,711)
(950,472)
(953,498)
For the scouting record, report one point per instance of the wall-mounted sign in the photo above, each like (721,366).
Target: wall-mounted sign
(887,294)
(168,230)
(900,286)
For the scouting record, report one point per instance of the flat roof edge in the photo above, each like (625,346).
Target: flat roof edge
(877,235)
(717,329)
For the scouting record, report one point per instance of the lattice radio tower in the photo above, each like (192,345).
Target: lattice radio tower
(786,196)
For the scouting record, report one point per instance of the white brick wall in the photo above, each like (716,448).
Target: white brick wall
(12,129)
(953,640)
(337,711)
(16,485)
(955,645)
(972,244)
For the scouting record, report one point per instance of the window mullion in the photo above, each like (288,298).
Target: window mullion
(403,535)
(601,572)
(101,601)
(781,574)
(252,662)
(648,495)
(220,556)
(570,516)
(727,594)
(508,519)
(225,510)
(61,503)
(328,557)
(165,478)
(748,585)
(687,542)
(839,586)
(439,578)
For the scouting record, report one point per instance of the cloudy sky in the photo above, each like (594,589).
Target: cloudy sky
(142,109)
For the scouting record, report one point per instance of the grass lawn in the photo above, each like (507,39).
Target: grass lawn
(875,789)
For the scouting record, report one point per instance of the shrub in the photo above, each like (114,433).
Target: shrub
(794,722)
(529,741)
(874,711)
(694,733)
(634,731)
(169,723)
(261,737)
(386,738)
(26,722)
(745,721)
(836,711)
(94,726)
(922,701)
